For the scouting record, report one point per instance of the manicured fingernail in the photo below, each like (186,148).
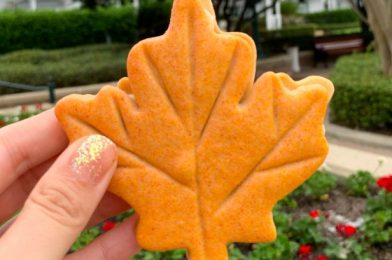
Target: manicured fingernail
(94,157)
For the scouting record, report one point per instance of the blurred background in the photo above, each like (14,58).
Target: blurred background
(52,48)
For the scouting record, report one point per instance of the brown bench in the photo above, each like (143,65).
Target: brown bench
(327,46)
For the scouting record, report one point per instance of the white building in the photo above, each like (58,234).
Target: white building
(274,18)
(39,4)
(46,4)
(313,6)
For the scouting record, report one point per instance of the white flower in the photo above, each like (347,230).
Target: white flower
(381,159)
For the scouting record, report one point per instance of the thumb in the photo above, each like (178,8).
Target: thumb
(62,202)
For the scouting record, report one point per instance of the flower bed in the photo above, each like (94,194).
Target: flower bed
(23,114)
(322,219)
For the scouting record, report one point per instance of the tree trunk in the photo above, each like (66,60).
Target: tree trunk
(240,21)
(380,20)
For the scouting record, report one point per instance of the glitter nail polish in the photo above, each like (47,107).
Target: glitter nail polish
(89,161)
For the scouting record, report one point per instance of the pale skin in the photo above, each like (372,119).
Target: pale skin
(57,199)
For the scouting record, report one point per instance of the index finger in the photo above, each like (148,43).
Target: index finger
(27,144)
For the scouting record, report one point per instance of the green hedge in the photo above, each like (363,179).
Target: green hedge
(340,28)
(289,7)
(275,41)
(67,67)
(302,35)
(50,30)
(363,95)
(336,16)
(153,18)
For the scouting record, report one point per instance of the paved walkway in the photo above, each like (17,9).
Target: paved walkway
(345,161)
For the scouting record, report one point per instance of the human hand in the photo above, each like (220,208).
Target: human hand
(60,194)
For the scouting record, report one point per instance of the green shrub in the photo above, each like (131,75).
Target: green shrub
(281,248)
(306,231)
(289,7)
(363,95)
(318,186)
(378,219)
(153,18)
(277,40)
(51,30)
(358,184)
(336,16)
(169,255)
(85,238)
(339,28)
(292,31)
(67,67)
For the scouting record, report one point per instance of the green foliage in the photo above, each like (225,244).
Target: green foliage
(378,218)
(170,255)
(336,16)
(85,238)
(284,247)
(332,249)
(67,67)
(126,214)
(339,28)
(288,7)
(305,231)
(358,251)
(300,35)
(235,253)
(363,95)
(281,248)
(153,18)
(359,183)
(51,30)
(289,202)
(318,186)
(7,120)
(291,31)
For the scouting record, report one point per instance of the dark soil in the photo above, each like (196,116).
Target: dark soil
(339,203)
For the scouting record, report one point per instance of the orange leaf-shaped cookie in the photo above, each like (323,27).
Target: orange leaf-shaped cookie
(204,153)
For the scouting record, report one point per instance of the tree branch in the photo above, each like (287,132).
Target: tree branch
(242,16)
(358,12)
(217,5)
(263,10)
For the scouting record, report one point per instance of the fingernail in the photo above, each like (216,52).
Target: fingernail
(94,157)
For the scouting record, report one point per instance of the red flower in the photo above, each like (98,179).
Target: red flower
(340,228)
(108,225)
(385,183)
(346,230)
(314,214)
(2,123)
(38,106)
(24,108)
(304,250)
(350,230)
(322,257)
